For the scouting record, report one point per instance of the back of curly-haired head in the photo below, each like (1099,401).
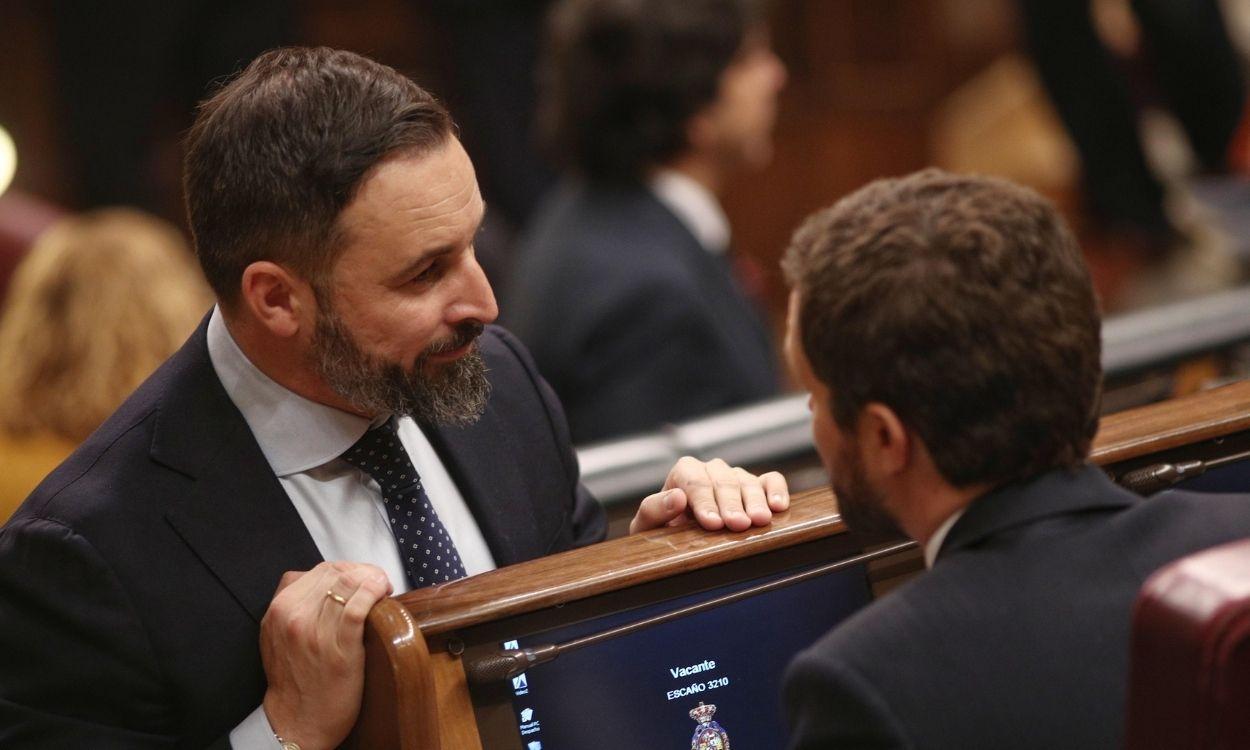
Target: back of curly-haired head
(620,79)
(962,303)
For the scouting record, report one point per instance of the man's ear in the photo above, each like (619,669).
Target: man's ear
(278,300)
(885,442)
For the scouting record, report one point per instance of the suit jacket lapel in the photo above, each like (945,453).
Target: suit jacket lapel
(237,518)
(489,487)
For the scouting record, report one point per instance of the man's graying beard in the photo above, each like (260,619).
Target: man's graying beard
(452,394)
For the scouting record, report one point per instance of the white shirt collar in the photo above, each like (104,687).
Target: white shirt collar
(294,433)
(695,206)
(934,545)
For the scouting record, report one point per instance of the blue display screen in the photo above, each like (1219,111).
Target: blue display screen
(637,691)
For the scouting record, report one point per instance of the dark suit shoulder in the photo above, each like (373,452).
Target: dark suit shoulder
(503,351)
(1176,523)
(616,239)
(580,211)
(81,553)
(831,705)
(517,384)
(92,478)
(1029,625)
(1124,545)
(113,464)
(116,696)
(637,257)
(511,370)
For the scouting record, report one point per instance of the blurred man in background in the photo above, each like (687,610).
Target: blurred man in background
(627,274)
(948,333)
(1191,66)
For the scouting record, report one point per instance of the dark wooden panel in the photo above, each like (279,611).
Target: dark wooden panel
(866,77)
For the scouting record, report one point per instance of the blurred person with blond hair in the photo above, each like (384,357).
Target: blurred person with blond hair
(99,302)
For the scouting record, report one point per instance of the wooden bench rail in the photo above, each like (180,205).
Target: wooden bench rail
(610,566)
(399,696)
(1171,424)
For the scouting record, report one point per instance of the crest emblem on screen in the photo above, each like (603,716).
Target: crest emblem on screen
(708,735)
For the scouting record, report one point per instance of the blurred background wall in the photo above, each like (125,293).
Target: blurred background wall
(97,95)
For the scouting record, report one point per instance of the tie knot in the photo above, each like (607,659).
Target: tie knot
(379,453)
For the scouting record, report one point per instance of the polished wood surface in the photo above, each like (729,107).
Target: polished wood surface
(400,700)
(456,725)
(610,566)
(1172,424)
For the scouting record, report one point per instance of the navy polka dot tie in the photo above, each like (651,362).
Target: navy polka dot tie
(427,552)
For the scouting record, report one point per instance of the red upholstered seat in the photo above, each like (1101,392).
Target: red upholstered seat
(1189,681)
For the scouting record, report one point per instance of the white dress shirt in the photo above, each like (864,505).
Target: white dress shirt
(934,545)
(341,506)
(695,206)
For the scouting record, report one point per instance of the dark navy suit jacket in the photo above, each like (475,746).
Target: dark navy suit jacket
(133,580)
(1019,635)
(629,318)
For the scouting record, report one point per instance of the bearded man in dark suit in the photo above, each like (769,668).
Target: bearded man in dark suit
(345,424)
(948,333)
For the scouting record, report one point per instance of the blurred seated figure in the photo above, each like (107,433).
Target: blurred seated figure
(1197,73)
(624,289)
(948,333)
(98,303)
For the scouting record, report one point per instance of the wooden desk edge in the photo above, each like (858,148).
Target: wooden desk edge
(1171,424)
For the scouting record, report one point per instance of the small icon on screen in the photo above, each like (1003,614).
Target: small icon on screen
(510,645)
(535,745)
(527,714)
(519,682)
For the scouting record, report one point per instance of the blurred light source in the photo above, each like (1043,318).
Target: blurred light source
(8,160)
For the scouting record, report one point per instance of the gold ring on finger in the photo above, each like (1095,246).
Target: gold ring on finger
(331,595)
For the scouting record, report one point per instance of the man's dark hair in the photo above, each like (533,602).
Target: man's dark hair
(276,154)
(621,78)
(963,304)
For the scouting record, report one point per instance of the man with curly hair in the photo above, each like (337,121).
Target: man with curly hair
(948,333)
